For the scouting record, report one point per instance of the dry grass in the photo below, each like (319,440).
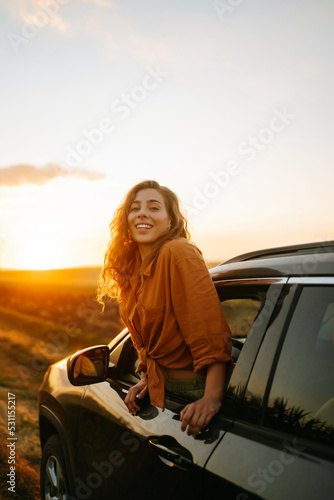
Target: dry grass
(27,478)
(40,323)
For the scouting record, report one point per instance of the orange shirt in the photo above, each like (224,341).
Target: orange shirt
(175,320)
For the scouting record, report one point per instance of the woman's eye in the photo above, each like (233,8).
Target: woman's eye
(134,209)
(154,208)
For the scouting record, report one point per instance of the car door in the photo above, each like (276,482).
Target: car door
(148,454)
(122,456)
(281,444)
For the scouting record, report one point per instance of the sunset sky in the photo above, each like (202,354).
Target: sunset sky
(229,103)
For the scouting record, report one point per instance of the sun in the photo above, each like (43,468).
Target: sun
(40,253)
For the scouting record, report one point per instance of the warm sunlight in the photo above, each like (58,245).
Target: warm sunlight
(40,253)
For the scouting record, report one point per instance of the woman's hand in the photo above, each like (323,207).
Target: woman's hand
(198,414)
(139,390)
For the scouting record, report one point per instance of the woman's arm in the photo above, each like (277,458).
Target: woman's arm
(198,414)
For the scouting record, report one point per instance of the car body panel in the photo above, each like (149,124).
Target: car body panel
(259,466)
(104,419)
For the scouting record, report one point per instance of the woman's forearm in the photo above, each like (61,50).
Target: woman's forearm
(198,414)
(215,380)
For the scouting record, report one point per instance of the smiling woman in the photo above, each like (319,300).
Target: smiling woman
(168,303)
(40,253)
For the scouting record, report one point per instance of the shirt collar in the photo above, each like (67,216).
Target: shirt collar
(134,277)
(148,267)
(136,270)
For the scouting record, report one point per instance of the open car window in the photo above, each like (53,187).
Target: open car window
(241,306)
(240,315)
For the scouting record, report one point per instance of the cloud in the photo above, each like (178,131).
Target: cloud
(16,175)
(104,3)
(101,19)
(38,13)
(41,13)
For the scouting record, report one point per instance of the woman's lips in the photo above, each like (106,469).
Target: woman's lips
(143,227)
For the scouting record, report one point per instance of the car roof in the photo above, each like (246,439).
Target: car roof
(310,259)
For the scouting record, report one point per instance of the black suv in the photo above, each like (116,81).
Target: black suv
(274,435)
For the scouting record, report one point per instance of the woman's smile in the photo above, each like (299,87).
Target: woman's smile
(142,227)
(148,219)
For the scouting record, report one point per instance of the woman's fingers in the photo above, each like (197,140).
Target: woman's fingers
(139,390)
(186,415)
(197,415)
(195,419)
(142,393)
(130,403)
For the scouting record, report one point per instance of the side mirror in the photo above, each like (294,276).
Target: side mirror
(89,366)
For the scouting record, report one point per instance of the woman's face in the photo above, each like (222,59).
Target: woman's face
(148,219)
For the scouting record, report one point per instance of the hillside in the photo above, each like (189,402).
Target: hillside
(44,316)
(86,276)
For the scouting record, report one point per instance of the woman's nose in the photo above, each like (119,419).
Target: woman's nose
(142,212)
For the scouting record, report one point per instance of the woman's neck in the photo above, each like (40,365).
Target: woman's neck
(144,251)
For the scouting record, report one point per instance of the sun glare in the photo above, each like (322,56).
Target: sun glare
(40,253)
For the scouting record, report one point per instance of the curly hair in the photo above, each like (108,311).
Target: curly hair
(120,256)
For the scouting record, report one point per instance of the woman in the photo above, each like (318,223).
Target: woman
(169,304)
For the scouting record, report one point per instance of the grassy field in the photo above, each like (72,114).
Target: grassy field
(44,316)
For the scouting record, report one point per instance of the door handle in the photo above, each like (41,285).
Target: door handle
(169,449)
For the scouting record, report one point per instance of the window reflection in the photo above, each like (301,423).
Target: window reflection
(84,367)
(302,395)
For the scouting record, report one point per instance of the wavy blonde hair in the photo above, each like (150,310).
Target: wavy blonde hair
(120,256)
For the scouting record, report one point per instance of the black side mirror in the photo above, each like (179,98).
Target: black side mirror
(89,366)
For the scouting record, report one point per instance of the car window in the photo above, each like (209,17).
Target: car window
(241,306)
(240,314)
(301,399)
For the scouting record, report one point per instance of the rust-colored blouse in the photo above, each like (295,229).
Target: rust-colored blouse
(175,319)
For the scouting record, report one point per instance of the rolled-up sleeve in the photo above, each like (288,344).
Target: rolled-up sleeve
(198,312)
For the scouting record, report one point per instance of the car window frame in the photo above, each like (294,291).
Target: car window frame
(318,449)
(243,369)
